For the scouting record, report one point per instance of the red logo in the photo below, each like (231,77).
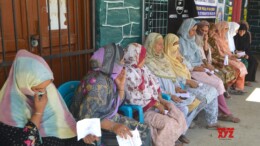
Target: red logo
(226,133)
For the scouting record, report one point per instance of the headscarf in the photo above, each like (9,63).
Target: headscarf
(172,52)
(188,47)
(221,39)
(242,43)
(107,60)
(158,64)
(200,25)
(96,97)
(243,27)
(233,27)
(16,98)
(200,41)
(141,85)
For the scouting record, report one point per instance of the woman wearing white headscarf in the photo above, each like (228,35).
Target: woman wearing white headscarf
(233,28)
(192,54)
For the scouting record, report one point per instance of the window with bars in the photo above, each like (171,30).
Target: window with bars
(155,16)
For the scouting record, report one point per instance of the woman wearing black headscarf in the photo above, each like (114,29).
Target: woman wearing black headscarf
(242,43)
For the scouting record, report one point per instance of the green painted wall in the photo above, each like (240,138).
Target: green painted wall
(118,21)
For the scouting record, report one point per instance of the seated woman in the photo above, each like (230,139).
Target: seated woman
(143,89)
(220,49)
(226,73)
(191,52)
(158,64)
(27,118)
(242,43)
(101,92)
(204,93)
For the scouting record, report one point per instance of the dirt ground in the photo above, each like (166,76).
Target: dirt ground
(246,133)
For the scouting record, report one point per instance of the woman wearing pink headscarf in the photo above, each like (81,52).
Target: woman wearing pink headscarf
(220,47)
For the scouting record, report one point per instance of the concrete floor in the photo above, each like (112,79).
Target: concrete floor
(246,133)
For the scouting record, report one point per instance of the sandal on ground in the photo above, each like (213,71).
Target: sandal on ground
(249,84)
(226,95)
(214,126)
(236,92)
(184,139)
(229,118)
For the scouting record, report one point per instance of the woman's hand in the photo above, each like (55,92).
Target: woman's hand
(175,98)
(120,80)
(40,102)
(121,130)
(179,90)
(210,67)
(167,105)
(161,108)
(198,69)
(90,139)
(192,84)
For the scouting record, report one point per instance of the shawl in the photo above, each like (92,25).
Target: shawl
(96,96)
(16,98)
(233,27)
(172,52)
(221,39)
(157,63)
(242,43)
(188,47)
(141,85)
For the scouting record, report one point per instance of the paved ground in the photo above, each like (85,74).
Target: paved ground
(246,133)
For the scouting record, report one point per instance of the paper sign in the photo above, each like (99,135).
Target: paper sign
(88,126)
(130,141)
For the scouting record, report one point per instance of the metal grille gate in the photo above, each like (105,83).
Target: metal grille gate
(61,31)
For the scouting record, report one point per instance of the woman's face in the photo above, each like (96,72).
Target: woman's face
(205,30)
(241,32)
(158,46)
(41,87)
(192,31)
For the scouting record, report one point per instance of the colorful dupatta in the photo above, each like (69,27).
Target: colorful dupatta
(141,85)
(157,63)
(16,98)
(172,52)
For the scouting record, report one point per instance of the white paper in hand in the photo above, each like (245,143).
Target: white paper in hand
(130,141)
(187,94)
(241,54)
(88,126)
(226,60)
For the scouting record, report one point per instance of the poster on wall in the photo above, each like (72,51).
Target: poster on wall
(220,10)
(206,8)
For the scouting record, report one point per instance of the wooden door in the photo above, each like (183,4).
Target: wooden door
(62,29)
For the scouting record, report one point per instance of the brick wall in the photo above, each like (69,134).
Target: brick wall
(118,21)
(253,19)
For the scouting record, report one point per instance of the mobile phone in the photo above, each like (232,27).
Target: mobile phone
(40,94)
(183,98)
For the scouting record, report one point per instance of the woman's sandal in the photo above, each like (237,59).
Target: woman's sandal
(249,84)
(229,118)
(184,139)
(227,95)
(214,126)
